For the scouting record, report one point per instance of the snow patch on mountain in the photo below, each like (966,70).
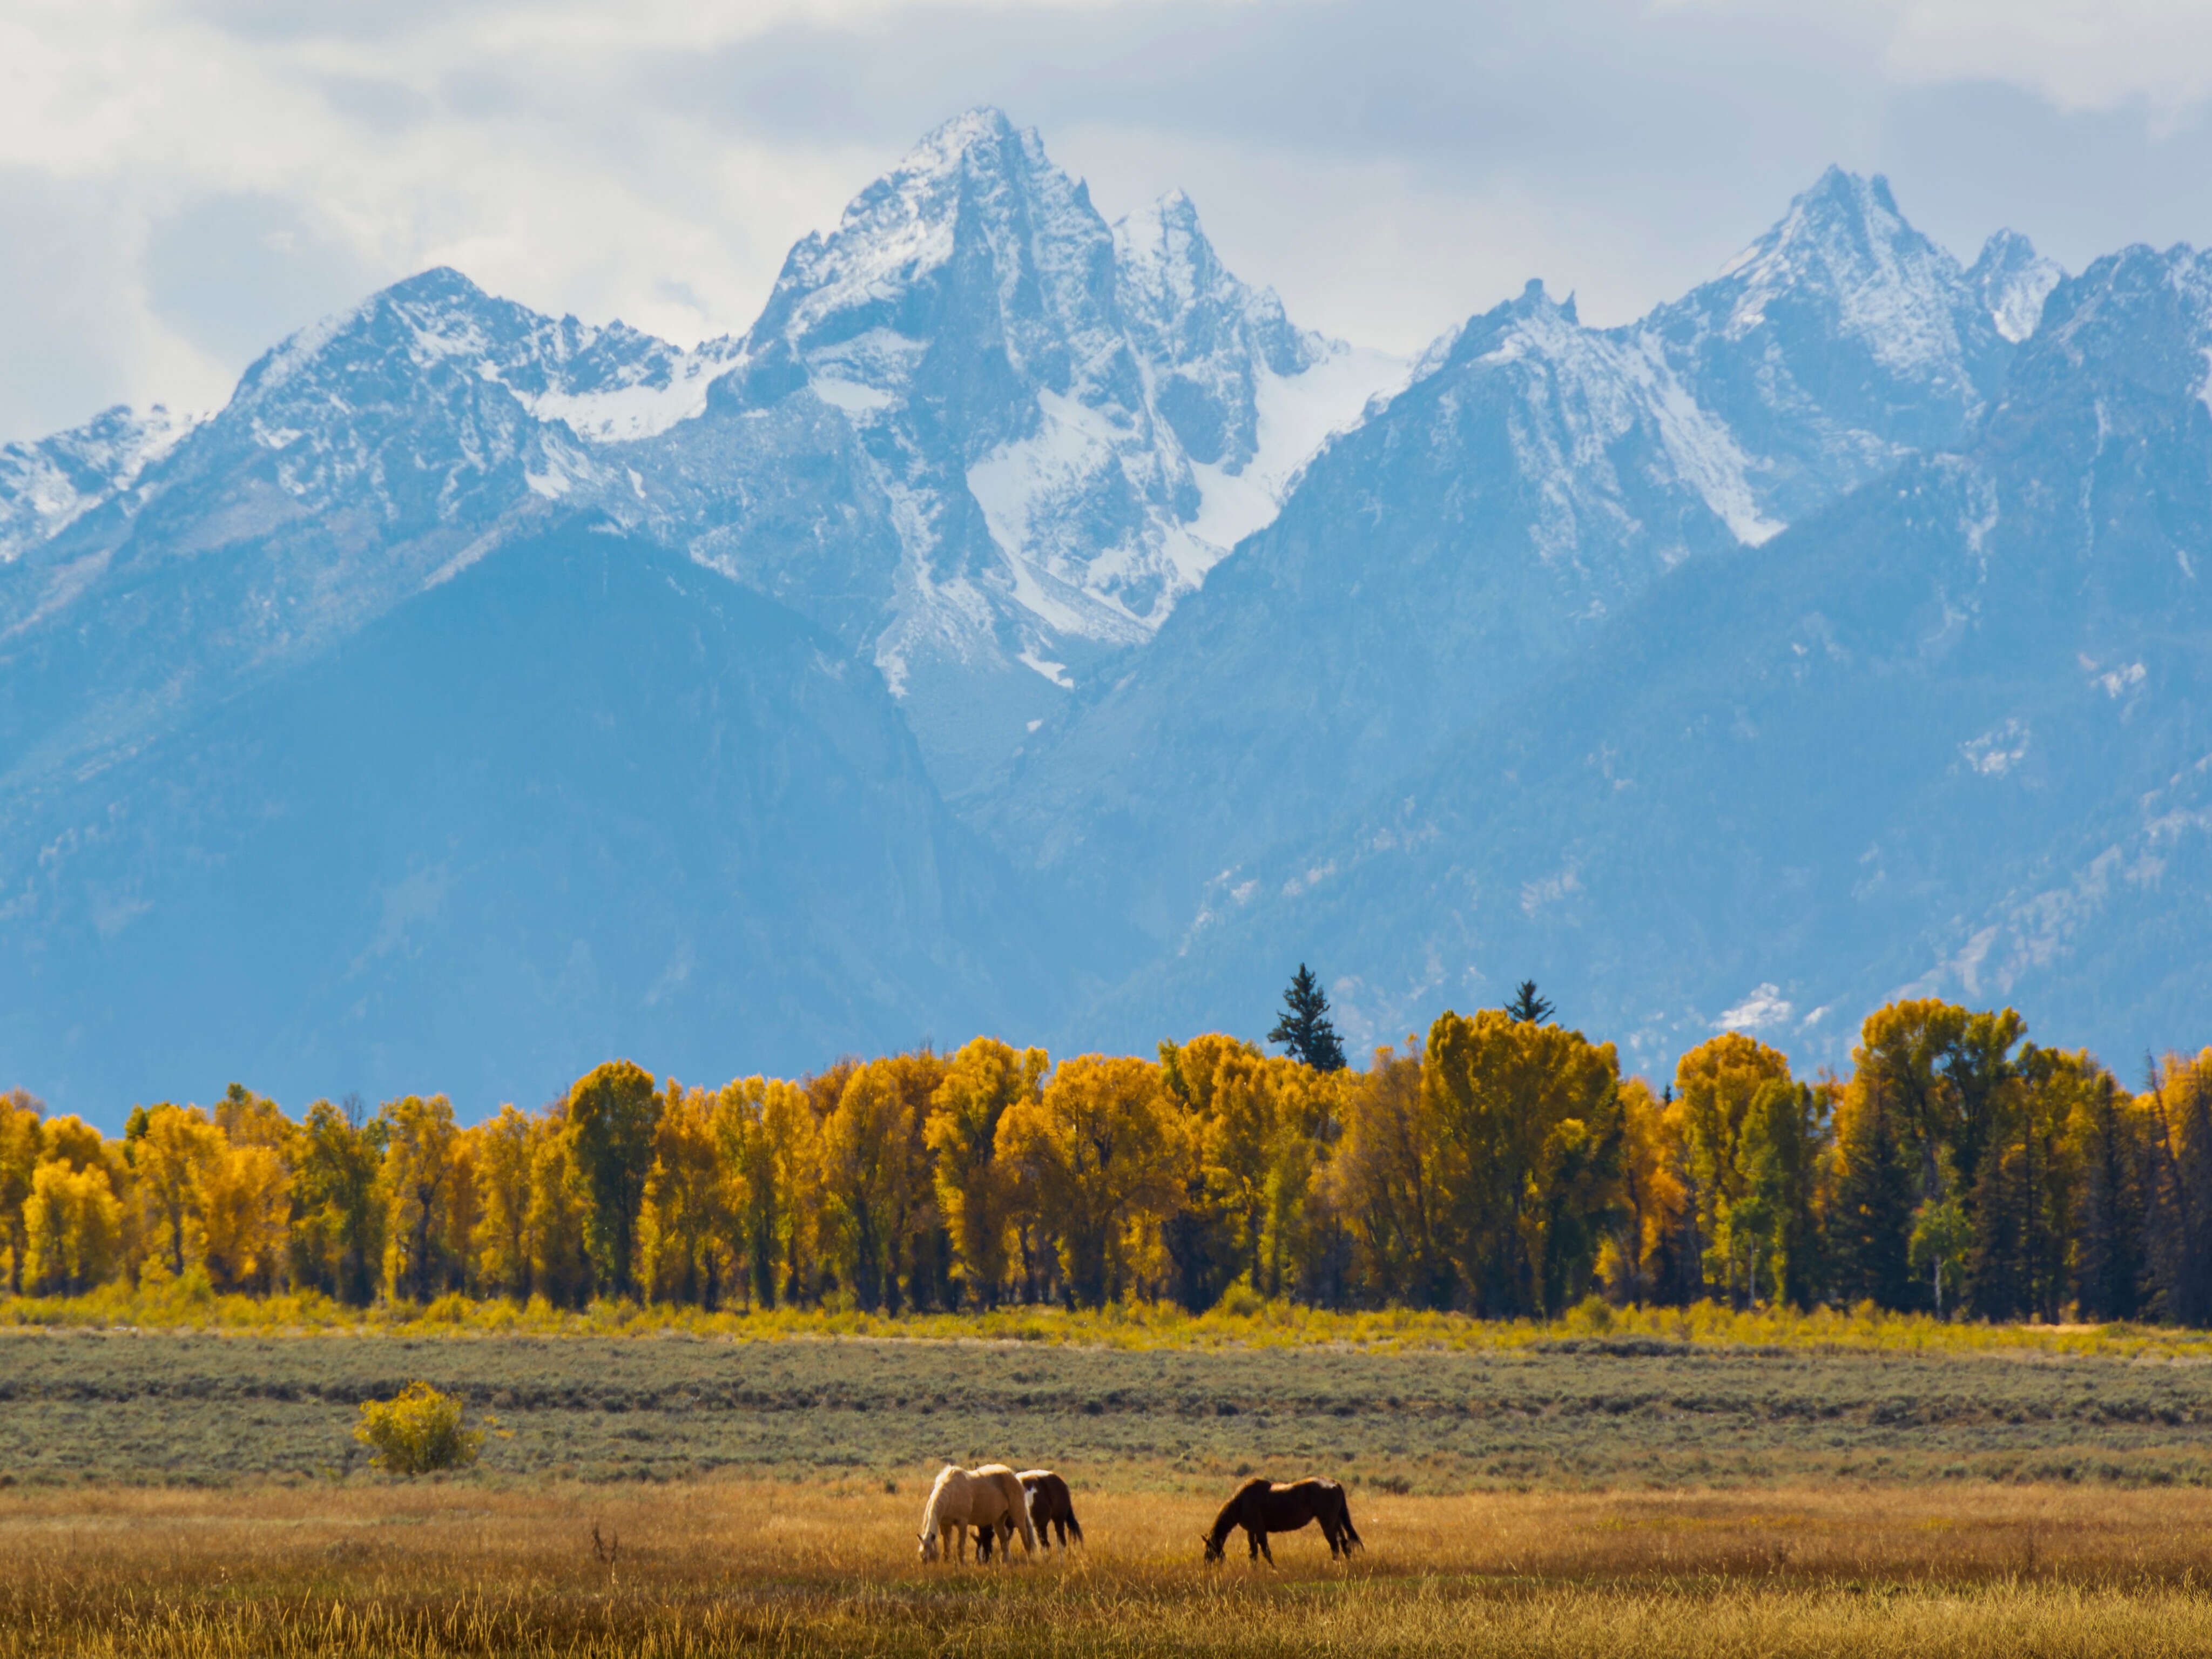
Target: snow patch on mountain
(2013,281)
(1297,414)
(46,486)
(1704,452)
(641,399)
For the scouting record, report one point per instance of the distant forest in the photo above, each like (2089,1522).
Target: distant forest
(1500,1165)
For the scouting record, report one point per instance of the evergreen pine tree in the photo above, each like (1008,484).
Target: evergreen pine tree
(2108,1264)
(1871,1225)
(1304,1028)
(1528,1006)
(2179,1223)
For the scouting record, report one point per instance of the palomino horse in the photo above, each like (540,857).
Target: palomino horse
(962,1498)
(1261,1507)
(1049,1506)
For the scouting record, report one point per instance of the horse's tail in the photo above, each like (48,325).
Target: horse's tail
(1021,1508)
(1344,1519)
(1074,1525)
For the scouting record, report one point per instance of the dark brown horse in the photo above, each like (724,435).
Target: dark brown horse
(1263,1506)
(1049,1506)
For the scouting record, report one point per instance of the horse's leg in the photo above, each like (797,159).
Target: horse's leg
(1264,1550)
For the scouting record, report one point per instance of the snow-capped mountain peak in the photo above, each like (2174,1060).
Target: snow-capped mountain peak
(1834,344)
(1844,242)
(2013,281)
(605,383)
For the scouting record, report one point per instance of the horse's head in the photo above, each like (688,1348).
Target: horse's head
(1213,1548)
(928,1546)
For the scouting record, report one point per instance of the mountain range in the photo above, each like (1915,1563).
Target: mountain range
(1025,627)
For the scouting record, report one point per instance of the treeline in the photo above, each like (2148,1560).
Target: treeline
(1501,1165)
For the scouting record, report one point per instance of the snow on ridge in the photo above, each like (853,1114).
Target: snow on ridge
(46,486)
(1704,452)
(1890,286)
(642,406)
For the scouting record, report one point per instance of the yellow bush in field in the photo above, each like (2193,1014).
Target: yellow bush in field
(417,1432)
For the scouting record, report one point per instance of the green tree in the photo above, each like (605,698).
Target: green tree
(1714,1084)
(1941,1235)
(1526,1007)
(2107,1133)
(1768,1227)
(1870,1219)
(1304,1028)
(614,1116)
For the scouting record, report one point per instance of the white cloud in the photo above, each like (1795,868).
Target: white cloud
(1763,1010)
(655,160)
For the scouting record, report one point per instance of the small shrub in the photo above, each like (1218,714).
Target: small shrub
(417,1432)
(1241,1301)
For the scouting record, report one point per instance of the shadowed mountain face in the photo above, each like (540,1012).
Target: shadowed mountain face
(1949,735)
(583,799)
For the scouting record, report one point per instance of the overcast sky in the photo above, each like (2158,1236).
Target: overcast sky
(184,181)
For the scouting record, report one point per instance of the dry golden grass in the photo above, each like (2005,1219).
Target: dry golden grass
(708,1567)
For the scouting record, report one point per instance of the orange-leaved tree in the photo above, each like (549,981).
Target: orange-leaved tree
(1529,1139)
(975,1192)
(1102,1148)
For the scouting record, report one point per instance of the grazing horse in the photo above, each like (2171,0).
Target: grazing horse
(961,1498)
(1262,1506)
(1049,1506)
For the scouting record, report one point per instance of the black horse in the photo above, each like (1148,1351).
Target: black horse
(1262,1506)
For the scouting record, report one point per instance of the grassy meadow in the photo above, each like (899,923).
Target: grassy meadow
(198,1492)
(741,1565)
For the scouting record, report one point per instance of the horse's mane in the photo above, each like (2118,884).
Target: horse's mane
(936,1492)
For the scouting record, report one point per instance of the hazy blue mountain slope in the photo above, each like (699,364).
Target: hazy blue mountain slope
(1422,567)
(1535,478)
(1951,734)
(583,799)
